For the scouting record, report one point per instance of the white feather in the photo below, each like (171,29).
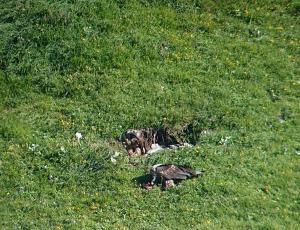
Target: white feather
(153,168)
(155,148)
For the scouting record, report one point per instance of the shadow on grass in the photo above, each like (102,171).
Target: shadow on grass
(140,180)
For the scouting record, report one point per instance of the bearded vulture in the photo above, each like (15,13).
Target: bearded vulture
(138,142)
(147,141)
(168,173)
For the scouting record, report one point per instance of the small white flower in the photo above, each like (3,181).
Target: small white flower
(33,147)
(224,140)
(62,148)
(113,160)
(205,132)
(117,154)
(78,136)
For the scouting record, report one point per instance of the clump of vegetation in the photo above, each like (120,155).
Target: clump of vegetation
(227,71)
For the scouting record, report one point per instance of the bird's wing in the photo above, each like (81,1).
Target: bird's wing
(191,172)
(172,172)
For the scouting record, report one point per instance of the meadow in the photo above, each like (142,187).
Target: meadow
(228,70)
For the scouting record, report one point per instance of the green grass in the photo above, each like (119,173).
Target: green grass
(101,67)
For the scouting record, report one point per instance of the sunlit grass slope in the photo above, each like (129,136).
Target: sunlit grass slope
(97,67)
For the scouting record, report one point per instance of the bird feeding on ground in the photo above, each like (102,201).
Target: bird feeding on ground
(169,174)
(138,142)
(147,141)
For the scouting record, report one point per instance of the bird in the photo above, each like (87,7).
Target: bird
(150,140)
(168,173)
(139,142)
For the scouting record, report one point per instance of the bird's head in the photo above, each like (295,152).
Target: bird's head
(153,169)
(131,142)
(153,172)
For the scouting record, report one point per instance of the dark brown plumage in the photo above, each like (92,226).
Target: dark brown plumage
(167,172)
(140,141)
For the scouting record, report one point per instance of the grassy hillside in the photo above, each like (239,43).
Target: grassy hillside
(229,68)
